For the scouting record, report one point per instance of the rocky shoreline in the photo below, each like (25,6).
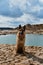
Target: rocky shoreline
(30,29)
(5,32)
(33,55)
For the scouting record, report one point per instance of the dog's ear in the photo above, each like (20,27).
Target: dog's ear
(24,27)
(19,26)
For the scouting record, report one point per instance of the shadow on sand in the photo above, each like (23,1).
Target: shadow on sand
(30,55)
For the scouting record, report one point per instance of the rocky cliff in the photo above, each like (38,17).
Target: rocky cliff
(34,27)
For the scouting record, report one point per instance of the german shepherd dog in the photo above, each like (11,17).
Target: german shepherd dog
(20,40)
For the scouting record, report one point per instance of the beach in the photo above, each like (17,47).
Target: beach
(33,55)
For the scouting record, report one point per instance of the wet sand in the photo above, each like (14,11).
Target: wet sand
(33,55)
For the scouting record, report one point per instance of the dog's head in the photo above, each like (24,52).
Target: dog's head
(22,29)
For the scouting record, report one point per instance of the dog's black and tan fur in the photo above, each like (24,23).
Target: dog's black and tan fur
(20,40)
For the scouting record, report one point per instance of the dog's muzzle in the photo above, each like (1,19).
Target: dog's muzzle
(21,35)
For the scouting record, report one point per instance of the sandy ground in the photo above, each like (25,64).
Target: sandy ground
(32,56)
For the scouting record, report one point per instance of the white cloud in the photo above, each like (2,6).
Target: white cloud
(5,21)
(14,12)
(18,3)
(41,1)
(3,18)
(16,8)
(14,22)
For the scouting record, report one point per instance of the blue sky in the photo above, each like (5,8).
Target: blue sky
(15,12)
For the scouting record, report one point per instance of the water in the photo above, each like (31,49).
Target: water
(31,39)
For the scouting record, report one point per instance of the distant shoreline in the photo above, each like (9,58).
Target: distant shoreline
(5,32)
(30,29)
